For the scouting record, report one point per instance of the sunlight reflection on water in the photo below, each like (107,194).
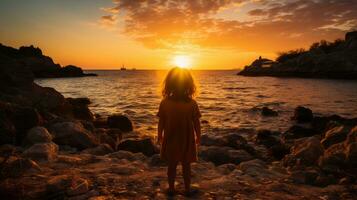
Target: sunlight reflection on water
(226,100)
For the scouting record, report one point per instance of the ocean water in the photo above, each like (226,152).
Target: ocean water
(227,101)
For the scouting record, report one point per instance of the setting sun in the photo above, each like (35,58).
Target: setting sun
(182,61)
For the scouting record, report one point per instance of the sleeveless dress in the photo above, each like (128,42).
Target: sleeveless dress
(178,143)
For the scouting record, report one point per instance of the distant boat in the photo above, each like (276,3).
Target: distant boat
(123,68)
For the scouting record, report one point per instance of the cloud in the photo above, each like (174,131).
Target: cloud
(269,25)
(108,20)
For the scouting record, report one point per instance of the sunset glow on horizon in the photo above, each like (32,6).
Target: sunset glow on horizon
(182,61)
(157,34)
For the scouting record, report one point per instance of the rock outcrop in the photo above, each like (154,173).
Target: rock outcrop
(323,60)
(40,65)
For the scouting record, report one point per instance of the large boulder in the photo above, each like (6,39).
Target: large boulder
(16,167)
(233,140)
(73,134)
(268,112)
(302,114)
(335,135)
(24,119)
(297,131)
(121,122)
(145,146)
(305,152)
(42,152)
(38,134)
(223,155)
(80,108)
(100,150)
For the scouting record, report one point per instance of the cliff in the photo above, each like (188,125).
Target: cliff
(337,60)
(35,62)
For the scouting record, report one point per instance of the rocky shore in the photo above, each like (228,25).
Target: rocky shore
(39,65)
(335,60)
(53,147)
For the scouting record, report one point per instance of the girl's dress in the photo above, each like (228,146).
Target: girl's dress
(178,143)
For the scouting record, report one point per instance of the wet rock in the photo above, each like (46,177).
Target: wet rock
(87,125)
(80,108)
(279,151)
(304,177)
(253,168)
(352,136)
(145,146)
(36,135)
(100,150)
(25,118)
(58,184)
(109,137)
(127,155)
(305,152)
(351,155)
(325,180)
(155,160)
(333,157)
(209,140)
(121,122)
(223,155)
(42,152)
(296,132)
(79,101)
(16,167)
(302,114)
(267,138)
(226,168)
(78,186)
(72,160)
(73,134)
(269,112)
(335,135)
(322,123)
(234,140)
(100,123)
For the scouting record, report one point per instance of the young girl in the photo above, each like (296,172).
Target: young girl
(179,128)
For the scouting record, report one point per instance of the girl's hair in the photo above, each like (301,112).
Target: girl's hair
(179,85)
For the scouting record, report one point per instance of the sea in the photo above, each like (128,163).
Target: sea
(227,101)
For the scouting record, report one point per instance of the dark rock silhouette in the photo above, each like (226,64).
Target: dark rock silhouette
(145,146)
(34,61)
(121,122)
(336,59)
(302,114)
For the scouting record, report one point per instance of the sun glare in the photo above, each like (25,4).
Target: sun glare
(182,61)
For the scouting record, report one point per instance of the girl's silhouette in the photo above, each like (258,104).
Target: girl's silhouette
(179,127)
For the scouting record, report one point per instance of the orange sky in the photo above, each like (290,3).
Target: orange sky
(149,34)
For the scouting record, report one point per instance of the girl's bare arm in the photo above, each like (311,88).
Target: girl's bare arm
(197,126)
(160,129)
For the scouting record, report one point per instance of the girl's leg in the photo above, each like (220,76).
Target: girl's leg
(171,175)
(186,171)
